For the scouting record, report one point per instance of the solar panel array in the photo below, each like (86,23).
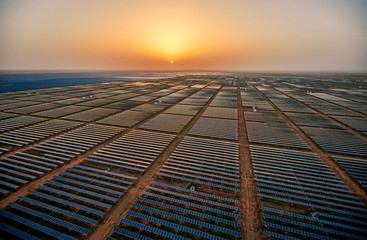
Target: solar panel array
(252,98)
(312,120)
(216,128)
(35,108)
(356,106)
(302,198)
(338,141)
(167,122)
(358,123)
(76,142)
(227,97)
(31,134)
(270,128)
(321,105)
(20,168)
(86,191)
(220,112)
(133,152)
(194,196)
(91,114)
(21,121)
(355,166)
(196,192)
(283,102)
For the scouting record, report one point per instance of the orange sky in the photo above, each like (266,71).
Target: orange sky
(280,35)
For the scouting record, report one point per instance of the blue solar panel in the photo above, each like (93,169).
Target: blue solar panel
(103,189)
(229,167)
(314,206)
(288,187)
(279,236)
(202,171)
(308,194)
(36,226)
(173,225)
(153,230)
(292,174)
(94,202)
(311,226)
(59,210)
(115,165)
(194,198)
(127,233)
(203,178)
(189,220)
(315,200)
(342,218)
(197,165)
(100,175)
(302,180)
(199,182)
(49,218)
(16,232)
(261,162)
(94,180)
(196,192)
(296,231)
(193,205)
(294,183)
(104,172)
(80,190)
(68,203)
(194,213)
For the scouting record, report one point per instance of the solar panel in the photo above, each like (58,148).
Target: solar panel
(311,226)
(196,192)
(104,189)
(210,209)
(49,218)
(302,192)
(200,177)
(278,235)
(95,180)
(199,182)
(189,220)
(199,171)
(107,173)
(36,226)
(127,233)
(151,229)
(59,210)
(173,225)
(314,206)
(316,219)
(79,190)
(16,232)
(68,203)
(194,198)
(94,202)
(191,212)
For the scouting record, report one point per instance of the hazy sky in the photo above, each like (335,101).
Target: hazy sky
(256,35)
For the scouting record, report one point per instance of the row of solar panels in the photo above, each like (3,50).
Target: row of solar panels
(301,181)
(27,135)
(183,211)
(81,195)
(189,206)
(17,169)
